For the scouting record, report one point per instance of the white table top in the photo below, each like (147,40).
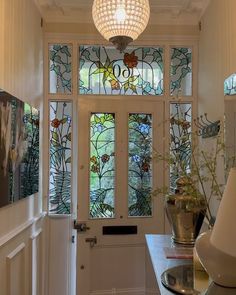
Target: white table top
(155,245)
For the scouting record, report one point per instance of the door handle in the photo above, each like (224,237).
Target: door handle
(92,241)
(81,226)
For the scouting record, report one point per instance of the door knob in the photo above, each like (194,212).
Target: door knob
(81,226)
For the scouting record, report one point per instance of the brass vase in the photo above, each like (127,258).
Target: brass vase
(185,214)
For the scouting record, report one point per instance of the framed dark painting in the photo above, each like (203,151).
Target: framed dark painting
(19,149)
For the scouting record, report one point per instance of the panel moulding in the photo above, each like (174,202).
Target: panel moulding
(36,262)
(6,238)
(15,269)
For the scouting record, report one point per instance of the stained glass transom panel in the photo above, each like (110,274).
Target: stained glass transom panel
(60,157)
(140,166)
(230,85)
(181,71)
(102,165)
(180,140)
(60,73)
(104,70)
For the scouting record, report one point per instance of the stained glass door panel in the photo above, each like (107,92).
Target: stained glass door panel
(102,165)
(140,165)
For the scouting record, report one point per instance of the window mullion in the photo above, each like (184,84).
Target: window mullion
(121,165)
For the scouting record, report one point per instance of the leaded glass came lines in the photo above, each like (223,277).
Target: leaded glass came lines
(181,71)
(102,165)
(104,70)
(30,165)
(180,141)
(60,74)
(230,85)
(60,157)
(140,166)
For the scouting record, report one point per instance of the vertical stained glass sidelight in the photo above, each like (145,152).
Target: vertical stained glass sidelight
(60,157)
(180,140)
(102,165)
(60,72)
(30,165)
(105,70)
(230,85)
(181,71)
(140,166)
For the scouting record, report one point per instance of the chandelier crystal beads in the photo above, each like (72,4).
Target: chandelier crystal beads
(121,21)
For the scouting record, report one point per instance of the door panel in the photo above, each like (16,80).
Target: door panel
(115,261)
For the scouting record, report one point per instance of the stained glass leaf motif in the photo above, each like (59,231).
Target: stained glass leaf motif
(102,165)
(60,72)
(181,71)
(104,70)
(180,140)
(140,166)
(30,165)
(230,85)
(60,157)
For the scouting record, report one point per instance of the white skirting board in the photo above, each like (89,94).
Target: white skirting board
(130,291)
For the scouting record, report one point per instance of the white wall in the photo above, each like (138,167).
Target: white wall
(217,50)
(22,223)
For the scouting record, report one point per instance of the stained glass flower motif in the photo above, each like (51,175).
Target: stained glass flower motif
(60,157)
(104,70)
(102,165)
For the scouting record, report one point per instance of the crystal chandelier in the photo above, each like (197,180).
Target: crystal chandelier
(120,21)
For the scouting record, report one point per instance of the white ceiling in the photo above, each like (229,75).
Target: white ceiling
(162,11)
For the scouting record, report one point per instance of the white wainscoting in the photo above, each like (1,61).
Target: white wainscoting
(15,266)
(22,256)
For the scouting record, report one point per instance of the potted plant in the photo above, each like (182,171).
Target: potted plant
(193,179)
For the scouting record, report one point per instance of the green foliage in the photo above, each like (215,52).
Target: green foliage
(60,158)
(60,64)
(121,73)
(203,171)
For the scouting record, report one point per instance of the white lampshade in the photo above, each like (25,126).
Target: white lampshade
(122,19)
(223,235)
(217,248)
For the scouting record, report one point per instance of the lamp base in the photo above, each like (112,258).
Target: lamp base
(220,266)
(120,42)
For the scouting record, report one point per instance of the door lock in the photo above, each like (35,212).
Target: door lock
(92,241)
(81,226)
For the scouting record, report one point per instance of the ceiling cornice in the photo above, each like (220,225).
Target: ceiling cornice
(173,12)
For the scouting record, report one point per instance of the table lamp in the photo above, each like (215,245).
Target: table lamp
(217,248)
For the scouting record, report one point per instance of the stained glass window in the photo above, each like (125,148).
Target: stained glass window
(60,56)
(181,71)
(104,70)
(60,157)
(24,150)
(102,165)
(180,140)
(230,85)
(140,166)
(30,164)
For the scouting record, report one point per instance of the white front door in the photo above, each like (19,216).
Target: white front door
(115,174)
